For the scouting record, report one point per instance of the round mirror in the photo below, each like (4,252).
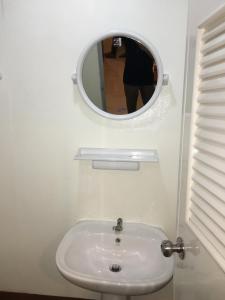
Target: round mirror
(120,75)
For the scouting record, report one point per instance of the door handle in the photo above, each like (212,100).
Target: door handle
(168,248)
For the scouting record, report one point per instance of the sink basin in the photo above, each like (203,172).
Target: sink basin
(93,256)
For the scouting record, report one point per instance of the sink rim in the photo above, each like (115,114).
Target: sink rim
(108,285)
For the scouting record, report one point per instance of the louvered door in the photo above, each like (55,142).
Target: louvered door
(205,212)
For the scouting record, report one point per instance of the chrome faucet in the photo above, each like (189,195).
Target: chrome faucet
(119,225)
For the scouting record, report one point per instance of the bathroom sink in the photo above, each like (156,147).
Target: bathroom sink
(129,262)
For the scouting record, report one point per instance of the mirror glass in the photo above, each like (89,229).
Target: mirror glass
(119,75)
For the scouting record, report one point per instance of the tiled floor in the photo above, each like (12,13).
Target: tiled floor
(17,296)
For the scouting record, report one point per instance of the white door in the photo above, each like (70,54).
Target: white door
(201,220)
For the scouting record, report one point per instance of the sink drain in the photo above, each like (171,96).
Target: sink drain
(115,268)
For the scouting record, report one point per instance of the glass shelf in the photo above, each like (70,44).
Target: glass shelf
(117,159)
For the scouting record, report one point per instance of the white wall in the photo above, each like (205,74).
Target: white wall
(198,277)
(44,121)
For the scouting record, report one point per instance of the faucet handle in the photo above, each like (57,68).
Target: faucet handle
(119,221)
(119,225)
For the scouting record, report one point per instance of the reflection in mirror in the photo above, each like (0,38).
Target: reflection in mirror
(119,75)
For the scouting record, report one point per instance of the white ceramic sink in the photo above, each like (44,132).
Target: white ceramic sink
(91,249)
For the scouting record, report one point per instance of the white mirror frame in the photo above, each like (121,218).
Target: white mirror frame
(77,76)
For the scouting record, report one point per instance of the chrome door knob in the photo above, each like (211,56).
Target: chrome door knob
(168,248)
